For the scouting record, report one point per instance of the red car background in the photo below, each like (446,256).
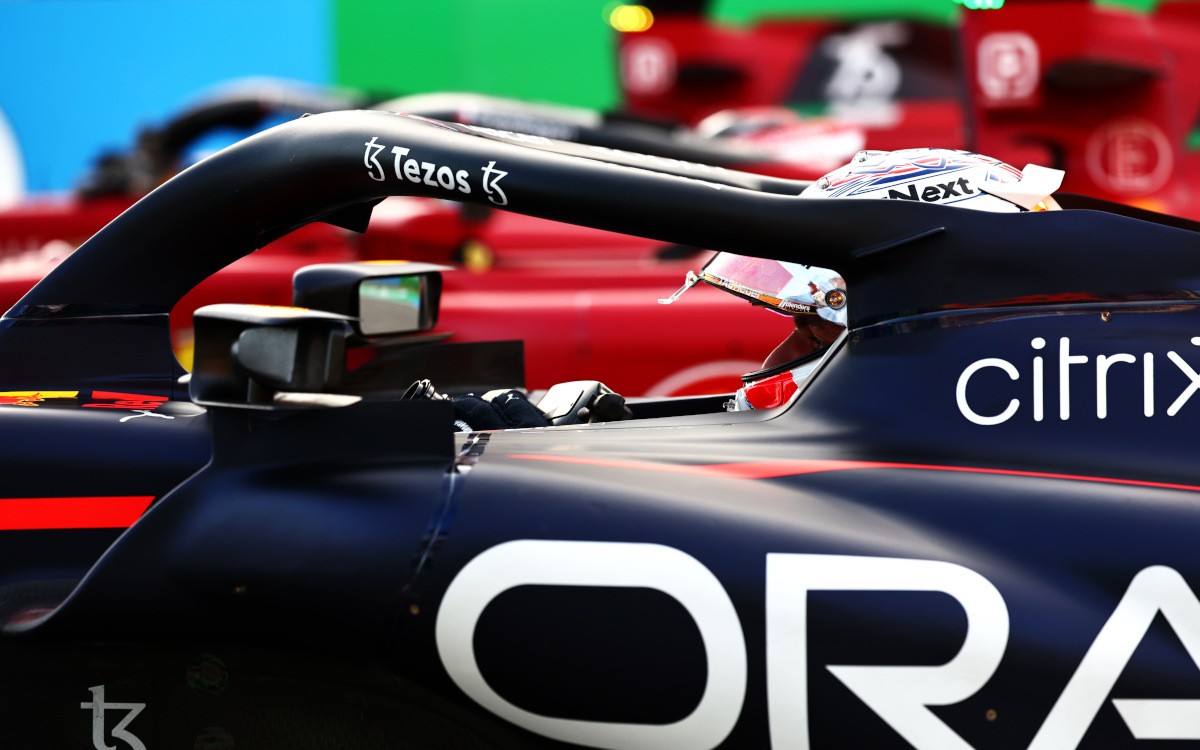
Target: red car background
(1098,91)
(1101,91)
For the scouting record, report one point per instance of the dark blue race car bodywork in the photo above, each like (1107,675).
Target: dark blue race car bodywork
(973,527)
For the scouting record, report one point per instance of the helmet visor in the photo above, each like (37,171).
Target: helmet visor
(787,288)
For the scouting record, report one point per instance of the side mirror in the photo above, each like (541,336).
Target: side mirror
(268,357)
(261,356)
(383,298)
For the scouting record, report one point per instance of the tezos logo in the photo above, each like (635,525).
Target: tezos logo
(410,169)
(98,706)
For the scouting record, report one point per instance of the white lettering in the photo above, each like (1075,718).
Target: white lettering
(400,153)
(1103,362)
(98,706)
(1039,382)
(1193,386)
(371,159)
(1153,590)
(567,563)
(491,184)
(960,392)
(419,172)
(1066,360)
(1148,384)
(412,171)
(901,696)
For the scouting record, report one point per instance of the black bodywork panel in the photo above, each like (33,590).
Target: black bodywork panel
(973,527)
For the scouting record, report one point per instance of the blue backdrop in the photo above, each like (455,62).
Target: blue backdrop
(81,76)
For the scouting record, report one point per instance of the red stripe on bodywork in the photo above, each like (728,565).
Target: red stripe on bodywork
(773,469)
(112,512)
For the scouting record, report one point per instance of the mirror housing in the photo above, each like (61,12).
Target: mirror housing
(271,357)
(262,356)
(383,298)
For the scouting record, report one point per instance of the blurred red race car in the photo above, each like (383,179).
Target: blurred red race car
(1108,104)
(1101,91)
(594,291)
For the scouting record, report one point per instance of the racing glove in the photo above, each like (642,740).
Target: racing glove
(504,411)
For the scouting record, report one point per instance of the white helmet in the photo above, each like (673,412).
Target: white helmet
(940,175)
(927,175)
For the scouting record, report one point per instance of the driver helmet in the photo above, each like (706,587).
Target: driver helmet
(816,297)
(941,175)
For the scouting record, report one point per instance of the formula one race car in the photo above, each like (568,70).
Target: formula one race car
(972,527)
(585,282)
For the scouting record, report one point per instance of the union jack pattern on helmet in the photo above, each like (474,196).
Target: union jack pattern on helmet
(938,175)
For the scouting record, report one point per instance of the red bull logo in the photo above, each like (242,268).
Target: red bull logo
(90,400)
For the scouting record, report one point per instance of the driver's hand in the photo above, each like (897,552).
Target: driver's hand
(607,407)
(502,411)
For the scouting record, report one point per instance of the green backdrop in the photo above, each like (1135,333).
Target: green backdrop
(530,49)
(557,51)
